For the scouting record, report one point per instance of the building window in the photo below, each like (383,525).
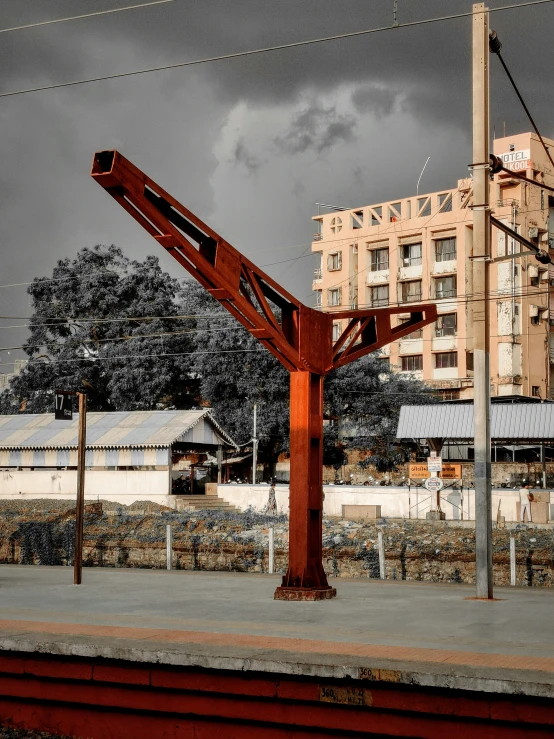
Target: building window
(334,261)
(469,361)
(410,292)
(445,287)
(318,298)
(379,260)
(445,249)
(336,331)
(535,320)
(447,325)
(334,296)
(448,394)
(536,391)
(379,296)
(336,225)
(411,255)
(534,281)
(413,363)
(445,360)
(417,334)
(385,362)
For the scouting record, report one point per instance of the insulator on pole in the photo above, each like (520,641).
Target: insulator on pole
(496,164)
(543,257)
(494,43)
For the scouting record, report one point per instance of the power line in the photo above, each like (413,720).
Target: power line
(495,46)
(85,15)
(264,50)
(137,356)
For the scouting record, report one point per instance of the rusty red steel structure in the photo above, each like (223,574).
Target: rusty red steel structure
(298,336)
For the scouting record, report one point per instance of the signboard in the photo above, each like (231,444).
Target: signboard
(419,471)
(433,484)
(516,160)
(434,464)
(63,409)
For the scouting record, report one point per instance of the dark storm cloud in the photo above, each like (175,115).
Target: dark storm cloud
(378,100)
(414,82)
(318,128)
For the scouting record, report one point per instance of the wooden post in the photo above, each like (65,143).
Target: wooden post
(80,507)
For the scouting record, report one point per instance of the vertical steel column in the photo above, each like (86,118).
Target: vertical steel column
(481,289)
(305,578)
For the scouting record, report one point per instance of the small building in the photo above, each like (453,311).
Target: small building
(131,455)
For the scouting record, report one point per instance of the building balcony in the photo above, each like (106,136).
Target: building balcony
(410,272)
(444,343)
(317,273)
(410,346)
(317,237)
(447,267)
(378,278)
(445,373)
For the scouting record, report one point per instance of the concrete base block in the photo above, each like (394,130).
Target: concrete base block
(304,594)
(435,516)
(356,512)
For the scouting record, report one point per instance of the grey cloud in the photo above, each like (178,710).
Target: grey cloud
(242,155)
(379,100)
(318,128)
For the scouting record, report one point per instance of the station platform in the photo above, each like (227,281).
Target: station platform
(142,653)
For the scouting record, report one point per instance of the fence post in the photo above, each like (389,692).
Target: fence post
(169,545)
(381,547)
(512,561)
(271,567)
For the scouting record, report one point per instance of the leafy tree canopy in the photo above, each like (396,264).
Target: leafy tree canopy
(235,372)
(96,324)
(362,402)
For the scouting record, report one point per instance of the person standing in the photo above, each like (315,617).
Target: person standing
(525,498)
(271,506)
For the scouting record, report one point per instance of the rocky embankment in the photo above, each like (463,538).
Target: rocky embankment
(42,532)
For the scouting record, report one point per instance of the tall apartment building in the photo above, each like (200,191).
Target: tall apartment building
(418,249)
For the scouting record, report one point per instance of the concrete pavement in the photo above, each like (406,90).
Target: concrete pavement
(416,633)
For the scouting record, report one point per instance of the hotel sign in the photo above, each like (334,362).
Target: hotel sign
(517,160)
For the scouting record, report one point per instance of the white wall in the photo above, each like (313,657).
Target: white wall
(120,486)
(395,502)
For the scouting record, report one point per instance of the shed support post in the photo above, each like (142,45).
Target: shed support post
(305,578)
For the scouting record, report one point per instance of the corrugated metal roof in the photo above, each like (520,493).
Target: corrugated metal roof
(114,430)
(508,421)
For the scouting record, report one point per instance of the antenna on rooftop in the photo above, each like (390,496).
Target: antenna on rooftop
(421,175)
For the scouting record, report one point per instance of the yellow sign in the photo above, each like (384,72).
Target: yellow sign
(449,471)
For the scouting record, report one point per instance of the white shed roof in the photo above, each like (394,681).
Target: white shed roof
(533,421)
(113,430)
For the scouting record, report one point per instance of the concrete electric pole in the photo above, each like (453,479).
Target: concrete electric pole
(481,290)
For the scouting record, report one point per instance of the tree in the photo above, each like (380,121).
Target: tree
(235,372)
(362,403)
(108,325)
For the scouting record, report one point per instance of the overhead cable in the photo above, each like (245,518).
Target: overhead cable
(85,15)
(264,50)
(495,46)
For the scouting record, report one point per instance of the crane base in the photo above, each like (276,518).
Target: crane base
(305,593)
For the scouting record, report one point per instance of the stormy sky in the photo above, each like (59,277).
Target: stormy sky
(249,144)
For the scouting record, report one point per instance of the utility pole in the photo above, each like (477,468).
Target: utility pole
(481,290)
(80,508)
(254,447)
